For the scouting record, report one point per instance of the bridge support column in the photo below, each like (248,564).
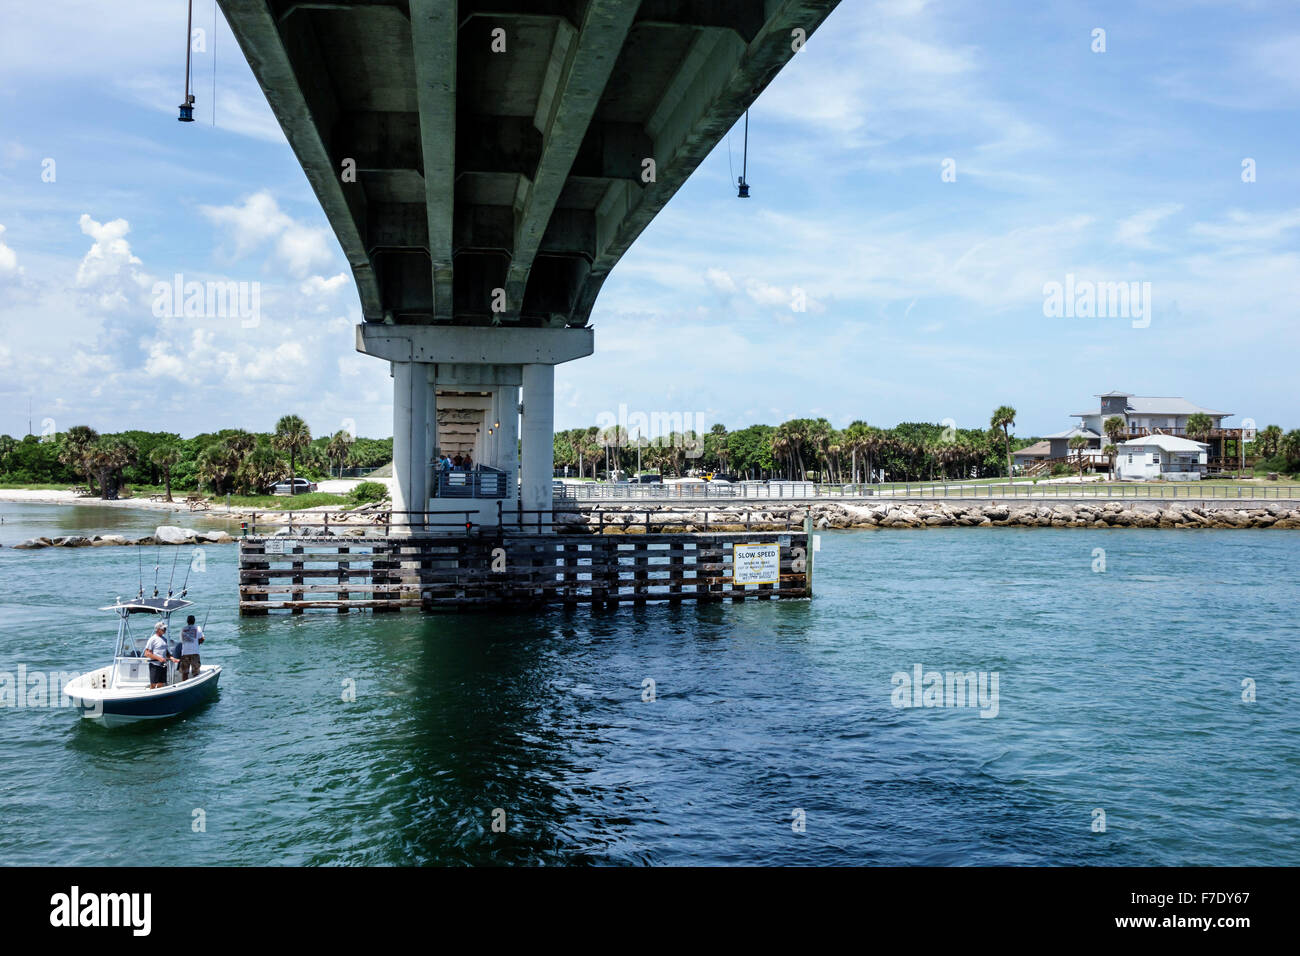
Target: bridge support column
(412,398)
(431,428)
(508,434)
(487,360)
(537,452)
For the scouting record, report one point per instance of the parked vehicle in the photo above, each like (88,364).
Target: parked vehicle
(648,479)
(300,486)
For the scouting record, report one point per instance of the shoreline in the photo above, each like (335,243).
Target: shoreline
(837,515)
(48,496)
(1151,513)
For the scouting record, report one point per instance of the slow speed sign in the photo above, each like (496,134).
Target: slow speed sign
(756,564)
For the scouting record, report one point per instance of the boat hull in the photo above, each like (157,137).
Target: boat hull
(118,707)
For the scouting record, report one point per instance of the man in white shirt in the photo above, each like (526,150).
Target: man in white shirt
(191,638)
(156,650)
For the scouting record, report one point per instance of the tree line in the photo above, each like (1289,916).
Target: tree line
(813,449)
(802,449)
(242,462)
(230,461)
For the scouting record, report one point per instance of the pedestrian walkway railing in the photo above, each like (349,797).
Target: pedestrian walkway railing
(480,482)
(596,520)
(809,491)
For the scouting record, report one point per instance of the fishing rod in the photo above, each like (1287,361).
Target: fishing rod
(139,562)
(172,576)
(157,560)
(185,585)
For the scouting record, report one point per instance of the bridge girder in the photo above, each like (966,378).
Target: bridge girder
(495,149)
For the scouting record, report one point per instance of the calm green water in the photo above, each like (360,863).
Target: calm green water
(1118,690)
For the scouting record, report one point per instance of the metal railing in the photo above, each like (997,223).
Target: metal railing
(318,523)
(810,491)
(701,490)
(388,521)
(336,472)
(658,518)
(480,482)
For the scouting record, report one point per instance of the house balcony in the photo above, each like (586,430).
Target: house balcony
(1216,434)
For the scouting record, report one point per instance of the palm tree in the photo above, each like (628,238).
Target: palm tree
(109,456)
(1078,443)
(1199,425)
(1198,428)
(166,457)
(216,464)
(7,446)
(853,440)
(1112,452)
(291,435)
(1267,441)
(781,449)
(591,449)
(718,445)
(75,453)
(260,469)
(1004,416)
(873,442)
(1289,448)
(562,453)
(1114,427)
(339,448)
(241,442)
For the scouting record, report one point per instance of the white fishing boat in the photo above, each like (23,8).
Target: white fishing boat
(119,693)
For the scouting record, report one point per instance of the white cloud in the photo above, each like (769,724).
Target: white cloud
(279,364)
(766,294)
(1249,227)
(318,285)
(303,248)
(163,363)
(109,271)
(1136,229)
(259,221)
(721,281)
(8,258)
(917,88)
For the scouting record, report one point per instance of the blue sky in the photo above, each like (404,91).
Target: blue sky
(924,298)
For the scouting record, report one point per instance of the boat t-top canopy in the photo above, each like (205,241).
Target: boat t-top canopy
(150,605)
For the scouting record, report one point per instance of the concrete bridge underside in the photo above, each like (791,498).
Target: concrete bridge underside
(485,163)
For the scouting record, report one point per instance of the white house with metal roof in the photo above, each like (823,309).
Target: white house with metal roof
(1142,413)
(1161,456)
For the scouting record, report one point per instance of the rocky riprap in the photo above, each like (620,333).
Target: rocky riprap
(916,514)
(165,534)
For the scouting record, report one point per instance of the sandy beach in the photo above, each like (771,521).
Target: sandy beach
(49,496)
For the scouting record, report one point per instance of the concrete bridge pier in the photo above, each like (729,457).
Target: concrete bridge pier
(413,396)
(537,458)
(456,388)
